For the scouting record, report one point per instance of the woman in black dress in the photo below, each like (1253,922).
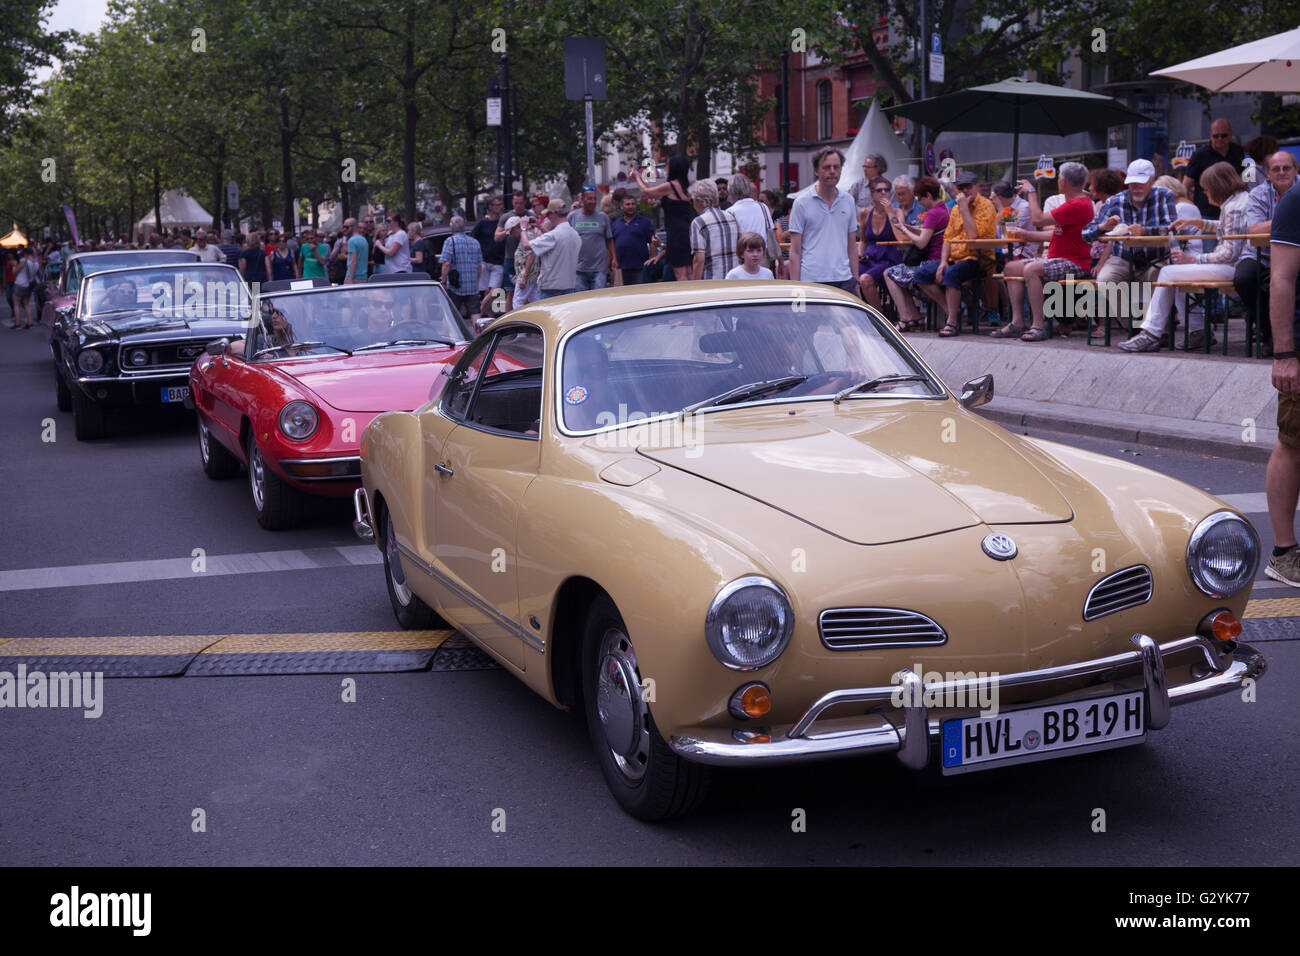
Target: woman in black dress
(678,213)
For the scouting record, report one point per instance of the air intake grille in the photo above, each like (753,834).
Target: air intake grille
(860,628)
(1117,592)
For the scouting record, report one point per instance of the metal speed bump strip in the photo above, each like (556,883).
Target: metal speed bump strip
(229,654)
(341,653)
(144,656)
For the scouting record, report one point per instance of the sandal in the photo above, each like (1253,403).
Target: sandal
(1008,331)
(1036,334)
(949,331)
(912,326)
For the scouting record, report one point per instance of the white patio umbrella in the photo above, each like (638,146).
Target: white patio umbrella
(1270,65)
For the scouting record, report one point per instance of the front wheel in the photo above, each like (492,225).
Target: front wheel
(647,779)
(278,506)
(412,613)
(63,395)
(217,462)
(89,419)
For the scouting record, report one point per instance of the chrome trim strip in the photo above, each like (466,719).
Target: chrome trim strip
(883,732)
(860,642)
(363,525)
(321,461)
(885,326)
(473,599)
(178,373)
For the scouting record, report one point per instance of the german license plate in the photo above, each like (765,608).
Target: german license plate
(1044,732)
(175,393)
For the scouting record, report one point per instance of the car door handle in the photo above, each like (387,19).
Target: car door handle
(442,467)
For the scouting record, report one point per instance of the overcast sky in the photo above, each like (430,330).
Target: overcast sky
(85,16)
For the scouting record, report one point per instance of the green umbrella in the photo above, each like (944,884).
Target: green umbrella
(1018,106)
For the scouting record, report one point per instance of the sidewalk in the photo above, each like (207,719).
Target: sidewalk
(1210,404)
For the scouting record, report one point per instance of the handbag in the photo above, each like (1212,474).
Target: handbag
(914,256)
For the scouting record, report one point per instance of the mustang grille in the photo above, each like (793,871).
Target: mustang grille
(1117,592)
(859,628)
(162,356)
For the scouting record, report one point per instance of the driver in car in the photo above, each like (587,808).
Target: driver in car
(121,295)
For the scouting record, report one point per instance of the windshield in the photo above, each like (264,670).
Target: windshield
(658,364)
(362,317)
(196,291)
(126,260)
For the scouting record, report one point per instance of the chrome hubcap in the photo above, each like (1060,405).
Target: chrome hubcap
(395,572)
(257,478)
(623,714)
(203,441)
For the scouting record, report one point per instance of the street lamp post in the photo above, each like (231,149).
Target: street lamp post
(785,122)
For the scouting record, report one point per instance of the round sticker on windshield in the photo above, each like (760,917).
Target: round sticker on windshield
(576,395)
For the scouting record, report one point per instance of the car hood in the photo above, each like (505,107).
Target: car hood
(146,323)
(872,475)
(400,379)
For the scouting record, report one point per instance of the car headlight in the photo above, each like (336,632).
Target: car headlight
(298,421)
(749,623)
(90,361)
(138,357)
(1223,554)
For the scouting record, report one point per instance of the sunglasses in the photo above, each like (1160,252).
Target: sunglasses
(884,190)
(1220,136)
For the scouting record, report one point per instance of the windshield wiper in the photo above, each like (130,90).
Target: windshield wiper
(871,384)
(300,345)
(742,392)
(396,342)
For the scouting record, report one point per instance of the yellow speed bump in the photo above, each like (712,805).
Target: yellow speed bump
(1273,607)
(104,646)
(315,643)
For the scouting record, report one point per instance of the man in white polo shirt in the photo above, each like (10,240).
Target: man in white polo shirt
(824,228)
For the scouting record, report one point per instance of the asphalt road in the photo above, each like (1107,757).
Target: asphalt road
(418,768)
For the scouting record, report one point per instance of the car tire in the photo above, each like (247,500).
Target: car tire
(278,506)
(648,780)
(63,395)
(411,612)
(218,463)
(89,418)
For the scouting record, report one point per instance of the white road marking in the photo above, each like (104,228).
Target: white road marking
(1251,503)
(126,572)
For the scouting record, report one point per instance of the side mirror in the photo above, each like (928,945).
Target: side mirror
(218,347)
(64,311)
(978,391)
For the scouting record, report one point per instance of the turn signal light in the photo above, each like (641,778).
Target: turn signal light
(1222,626)
(750,701)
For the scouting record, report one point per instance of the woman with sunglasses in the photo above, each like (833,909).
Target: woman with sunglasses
(874,228)
(279,259)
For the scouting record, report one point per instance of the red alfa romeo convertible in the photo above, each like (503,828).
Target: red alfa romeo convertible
(291,398)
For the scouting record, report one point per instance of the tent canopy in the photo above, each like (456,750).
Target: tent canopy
(875,136)
(14,240)
(178,210)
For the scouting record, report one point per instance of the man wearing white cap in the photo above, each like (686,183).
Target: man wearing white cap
(1144,209)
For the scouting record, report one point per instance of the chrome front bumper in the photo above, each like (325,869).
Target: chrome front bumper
(364,525)
(908,730)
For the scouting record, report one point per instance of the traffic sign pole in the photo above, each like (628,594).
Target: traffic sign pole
(591,148)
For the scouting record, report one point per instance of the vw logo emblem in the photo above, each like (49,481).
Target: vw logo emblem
(999,547)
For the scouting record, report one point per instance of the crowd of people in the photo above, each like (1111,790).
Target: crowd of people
(898,243)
